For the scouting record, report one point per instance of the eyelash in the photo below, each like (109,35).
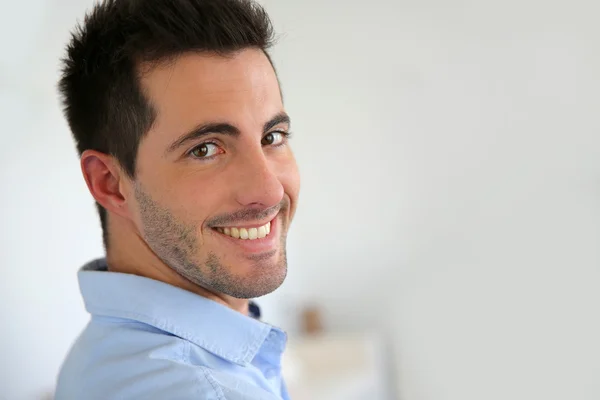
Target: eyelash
(286,136)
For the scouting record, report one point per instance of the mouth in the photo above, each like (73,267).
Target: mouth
(246,233)
(253,239)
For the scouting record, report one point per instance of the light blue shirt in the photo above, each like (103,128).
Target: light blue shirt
(150,340)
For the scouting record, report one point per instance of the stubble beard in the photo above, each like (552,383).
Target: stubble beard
(175,243)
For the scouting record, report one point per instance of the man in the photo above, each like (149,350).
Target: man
(177,114)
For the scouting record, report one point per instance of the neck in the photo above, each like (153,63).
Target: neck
(128,253)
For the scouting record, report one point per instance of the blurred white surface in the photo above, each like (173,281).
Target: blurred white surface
(336,367)
(451,191)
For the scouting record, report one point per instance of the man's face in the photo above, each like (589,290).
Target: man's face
(216,181)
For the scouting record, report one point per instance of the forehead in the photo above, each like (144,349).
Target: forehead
(240,88)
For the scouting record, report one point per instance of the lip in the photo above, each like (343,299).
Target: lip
(268,243)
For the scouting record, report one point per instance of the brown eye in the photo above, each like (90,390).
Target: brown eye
(204,150)
(273,138)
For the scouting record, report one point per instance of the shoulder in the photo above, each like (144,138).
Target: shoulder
(124,360)
(121,359)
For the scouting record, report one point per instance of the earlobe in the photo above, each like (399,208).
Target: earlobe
(103,177)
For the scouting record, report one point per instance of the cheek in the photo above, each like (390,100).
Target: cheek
(290,179)
(192,198)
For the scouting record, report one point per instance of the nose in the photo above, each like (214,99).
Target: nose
(258,184)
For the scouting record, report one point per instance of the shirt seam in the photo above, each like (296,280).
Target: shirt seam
(213,383)
(185,352)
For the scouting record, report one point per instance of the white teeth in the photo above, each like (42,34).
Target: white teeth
(252,233)
(262,232)
(247,233)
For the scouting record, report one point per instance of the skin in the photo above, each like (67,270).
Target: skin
(162,223)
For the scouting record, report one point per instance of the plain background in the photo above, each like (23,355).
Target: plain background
(450,201)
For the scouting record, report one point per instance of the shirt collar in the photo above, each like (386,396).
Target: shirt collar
(208,324)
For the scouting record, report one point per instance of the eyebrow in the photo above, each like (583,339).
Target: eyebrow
(223,128)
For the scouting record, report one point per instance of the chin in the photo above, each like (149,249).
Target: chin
(242,274)
(265,282)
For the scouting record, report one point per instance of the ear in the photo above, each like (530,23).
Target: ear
(106,181)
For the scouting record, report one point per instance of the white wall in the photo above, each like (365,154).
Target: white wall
(48,225)
(451,191)
(449,152)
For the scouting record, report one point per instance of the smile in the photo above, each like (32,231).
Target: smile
(247,233)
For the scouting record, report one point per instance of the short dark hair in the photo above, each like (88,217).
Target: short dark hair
(100,87)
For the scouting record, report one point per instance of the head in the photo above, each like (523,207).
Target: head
(177,114)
